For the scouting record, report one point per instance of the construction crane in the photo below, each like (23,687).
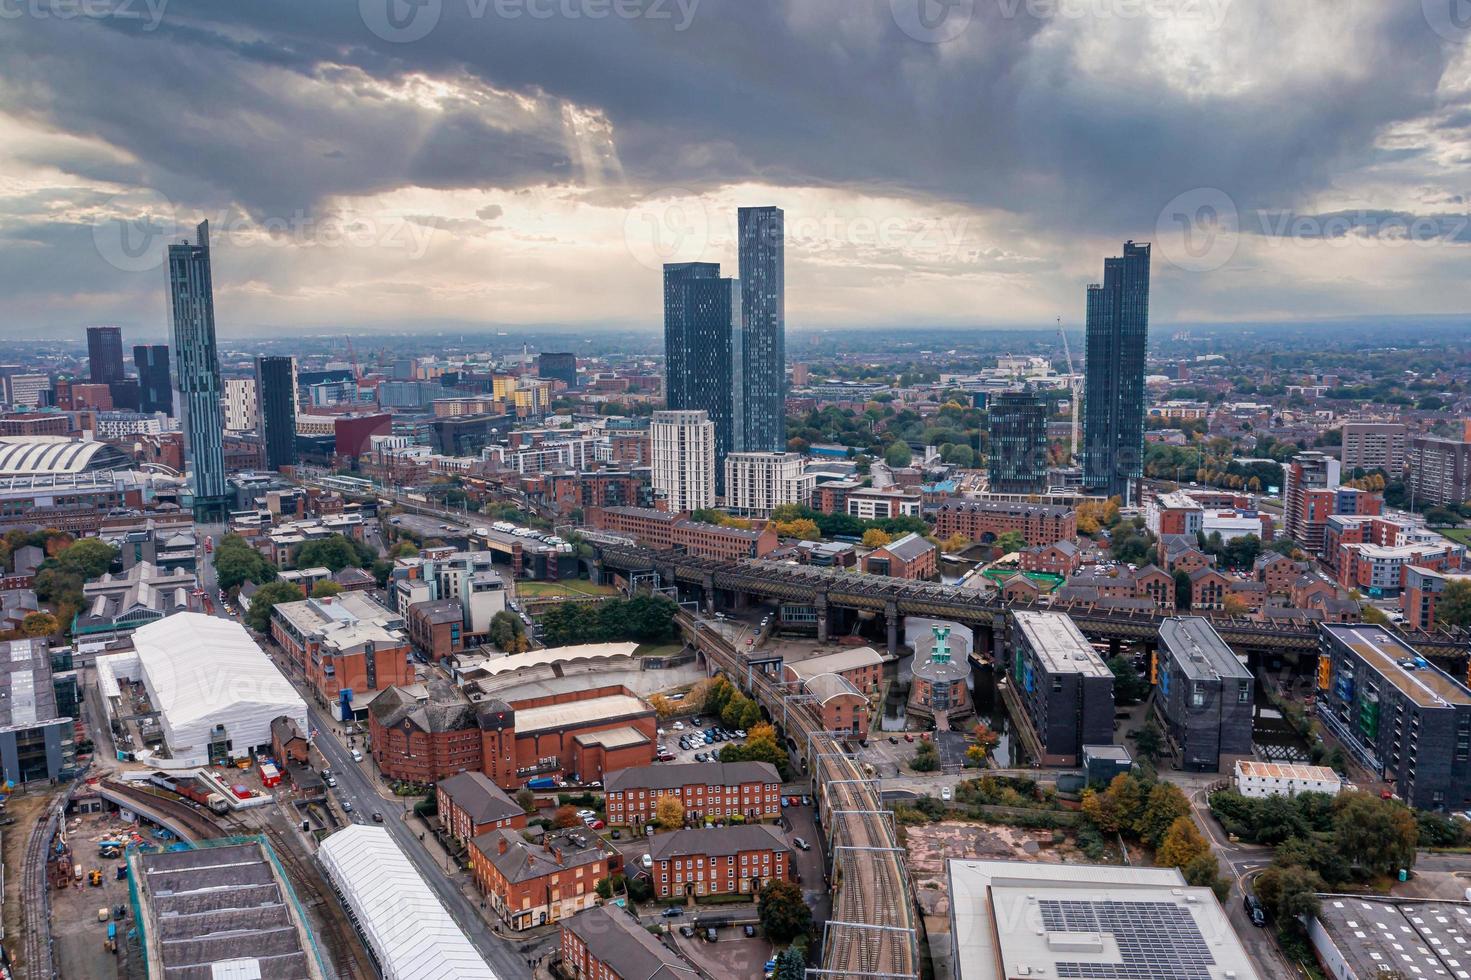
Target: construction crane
(1072,385)
(352,356)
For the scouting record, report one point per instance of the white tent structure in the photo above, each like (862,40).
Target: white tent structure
(409,931)
(209,680)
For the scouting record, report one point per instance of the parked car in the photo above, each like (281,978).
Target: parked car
(945,793)
(750,931)
(687,932)
(806,801)
(1255,910)
(893,740)
(647,861)
(332,782)
(673,912)
(678,726)
(908,737)
(596,825)
(801,844)
(710,935)
(585,813)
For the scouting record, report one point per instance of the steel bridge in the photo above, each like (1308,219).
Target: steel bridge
(826,588)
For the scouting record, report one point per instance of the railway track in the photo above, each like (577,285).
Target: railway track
(872,932)
(36,892)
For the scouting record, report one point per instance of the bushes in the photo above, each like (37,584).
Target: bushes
(642,619)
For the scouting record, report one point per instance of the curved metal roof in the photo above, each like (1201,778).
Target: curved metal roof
(36,455)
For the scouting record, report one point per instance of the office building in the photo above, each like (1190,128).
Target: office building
(105,355)
(1012,919)
(1205,694)
(1399,715)
(1113,404)
(1062,685)
(758,483)
(1374,446)
(558,367)
(1440,471)
(762,256)
(36,742)
(242,410)
(1175,513)
(1017,457)
(275,388)
(197,373)
(683,447)
(27,390)
(155,391)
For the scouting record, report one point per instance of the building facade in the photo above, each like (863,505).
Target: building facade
(756,483)
(155,390)
(105,355)
(751,790)
(1063,686)
(762,256)
(683,445)
(241,408)
(1374,446)
(1113,403)
(1017,458)
(558,366)
(1440,470)
(987,520)
(197,372)
(1205,694)
(737,860)
(276,401)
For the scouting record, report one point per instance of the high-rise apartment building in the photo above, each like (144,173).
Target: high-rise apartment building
(275,388)
(197,373)
(241,408)
(1305,513)
(704,323)
(1017,460)
(558,366)
(758,483)
(678,372)
(1440,470)
(1374,446)
(1205,694)
(682,444)
(1113,405)
(155,392)
(105,355)
(762,254)
(27,390)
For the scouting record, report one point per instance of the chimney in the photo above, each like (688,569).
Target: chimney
(501,846)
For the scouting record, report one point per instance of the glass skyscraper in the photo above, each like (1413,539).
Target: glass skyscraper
(703,327)
(197,373)
(275,398)
(155,391)
(677,376)
(1017,458)
(105,355)
(1113,404)
(762,255)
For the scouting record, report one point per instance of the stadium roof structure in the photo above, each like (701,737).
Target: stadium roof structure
(409,931)
(35,455)
(202,672)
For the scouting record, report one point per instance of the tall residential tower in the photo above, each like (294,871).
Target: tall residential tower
(155,391)
(762,245)
(275,396)
(197,373)
(1113,406)
(105,355)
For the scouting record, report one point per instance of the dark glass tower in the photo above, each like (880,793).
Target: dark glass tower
(1018,455)
(707,314)
(1113,404)
(197,373)
(557,366)
(105,355)
(155,391)
(762,257)
(275,398)
(676,331)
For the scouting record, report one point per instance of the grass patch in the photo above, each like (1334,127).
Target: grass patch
(657,649)
(1460,535)
(573,587)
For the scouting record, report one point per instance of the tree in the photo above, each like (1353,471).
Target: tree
(804,529)
(526,800)
(1148,741)
(662,706)
(266,598)
(760,746)
(669,812)
(335,552)
(1181,844)
(783,911)
(236,563)
(875,538)
(898,454)
(1453,608)
(955,544)
(1289,890)
(604,888)
(325,589)
(1381,835)
(1182,589)
(38,624)
(566,816)
(926,758)
(791,964)
(1011,541)
(508,632)
(89,557)
(1129,687)
(1204,871)
(1164,805)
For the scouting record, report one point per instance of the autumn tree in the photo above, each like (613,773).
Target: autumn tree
(38,624)
(783,911)
(804,529)
(669,812)
(566,816)
(1164,805)
(1182,844)
(661,705)
(526,799)
(875,538)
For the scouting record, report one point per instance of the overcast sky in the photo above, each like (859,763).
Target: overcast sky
(385,165)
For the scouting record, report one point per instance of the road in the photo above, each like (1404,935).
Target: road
(355,785)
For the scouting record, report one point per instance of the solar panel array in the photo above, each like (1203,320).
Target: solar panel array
(1156,940)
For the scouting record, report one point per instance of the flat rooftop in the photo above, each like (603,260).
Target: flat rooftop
(1286,770)
(1059,644)
(27,696)
(574,713)
(1388,655)
(1420,939)
(1199,650)
(1015,919)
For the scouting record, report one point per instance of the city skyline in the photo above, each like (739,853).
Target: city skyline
(1277,172)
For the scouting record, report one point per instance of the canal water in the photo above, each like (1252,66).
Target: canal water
(1273,736)
(990,709)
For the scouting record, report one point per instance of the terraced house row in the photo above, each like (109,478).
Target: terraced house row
(751,790)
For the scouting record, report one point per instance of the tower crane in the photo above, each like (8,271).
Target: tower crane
(1072,383)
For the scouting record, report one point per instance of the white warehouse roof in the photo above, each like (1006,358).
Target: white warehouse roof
(202,671)
(412,936)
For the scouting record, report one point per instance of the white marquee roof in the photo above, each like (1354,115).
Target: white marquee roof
(412,935)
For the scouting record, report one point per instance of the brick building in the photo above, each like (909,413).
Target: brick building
(707,791)
(471,805)
(437,627)
(530,884)
(878,505)
(1208,589)
(661,530)
(987,520)
(344,643)
(608,943)
(863,667)
(736,860)
(1423,587)
(1058,558)
(907,557)
(1277,572)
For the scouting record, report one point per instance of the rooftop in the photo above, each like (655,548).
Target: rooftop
(621,942)
(909,547)
(1399,664)
(1199,650)
(625,736)
(573,713)
(1013,919)
(480,798)
(852,658)
(524,861)
(1285,770)
(717,842)
(28,697)
(1059,644)
(1423,939)
(675,775)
